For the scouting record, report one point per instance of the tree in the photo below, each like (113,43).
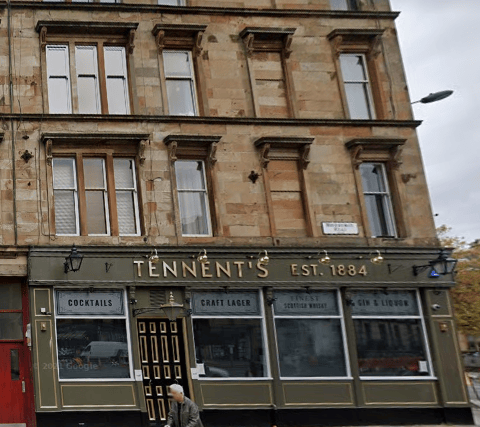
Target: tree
(466,293)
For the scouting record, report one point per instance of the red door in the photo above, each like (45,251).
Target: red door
(16,400)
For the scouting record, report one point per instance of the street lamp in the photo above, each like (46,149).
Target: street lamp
(439,266)
(434,97)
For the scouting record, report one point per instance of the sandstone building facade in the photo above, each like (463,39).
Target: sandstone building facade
(255,163)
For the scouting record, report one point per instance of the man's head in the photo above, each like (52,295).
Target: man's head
(177,392)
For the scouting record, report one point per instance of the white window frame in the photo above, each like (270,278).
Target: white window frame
(134,191)
(346,5)
(171,3)
(340,316)
(365,83)
(190,78)
(75,194)
(52,75)
(261,316)
(105,190)
(125,316)
(94,76)
(420,317)
(206,197)
(105,194)
(120,74)
(386,201)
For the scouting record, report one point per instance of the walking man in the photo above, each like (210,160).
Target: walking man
(183,412)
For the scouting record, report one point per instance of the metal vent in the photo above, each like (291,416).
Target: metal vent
(157,297)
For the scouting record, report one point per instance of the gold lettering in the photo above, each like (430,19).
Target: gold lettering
(314,269)
(192,270)
(139,267)
(206,270)
(151,269)
(239,265)
(220,268)
(263,269)
(293,269)
(172,269)
(305,270)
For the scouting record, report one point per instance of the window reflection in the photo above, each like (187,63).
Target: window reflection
(310,348)
(92,348)
(230,347)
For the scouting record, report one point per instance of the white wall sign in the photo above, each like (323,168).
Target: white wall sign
(340,228)
(90,303)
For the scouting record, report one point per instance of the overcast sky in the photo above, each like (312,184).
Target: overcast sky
(440,43)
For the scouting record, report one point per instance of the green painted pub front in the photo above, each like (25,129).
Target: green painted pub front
(284,343)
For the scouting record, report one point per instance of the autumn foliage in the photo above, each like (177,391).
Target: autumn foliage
(466,293)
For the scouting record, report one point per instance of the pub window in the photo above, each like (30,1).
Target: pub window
(267,52)
(87,76)
(92,335)
(310,334)
(179,48)
(229,335)
(284,161)
(95,192)
(357,53)
(375,163)
(390,334)
(193,158)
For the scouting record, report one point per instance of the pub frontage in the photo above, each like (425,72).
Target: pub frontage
(260,337)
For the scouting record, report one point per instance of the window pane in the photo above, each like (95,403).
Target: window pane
(63,173)
(177,64)
(390,347)
(189,175)
(86,60)
(14,364)
(294,303)
(10,296)
(353,68)
(11,326)
(93,170)
(310,347)
(378,216)
(96,215)
(92,348)
(381,303)
(65,212)
(357,98)
(193,213)
(124,170)
(373,179)
(114,61)
(126,212)
(170,2)
(339,4)
(230,347)
(180,97)
(117,95)
(58,95)
(88,102)
(57,61)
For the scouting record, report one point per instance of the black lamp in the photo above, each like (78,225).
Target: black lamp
(73,262)
(440,266)
(434,97)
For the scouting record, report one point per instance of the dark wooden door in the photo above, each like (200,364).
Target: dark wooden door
(162,353)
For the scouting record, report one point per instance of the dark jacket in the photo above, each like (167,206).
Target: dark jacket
(189,415)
